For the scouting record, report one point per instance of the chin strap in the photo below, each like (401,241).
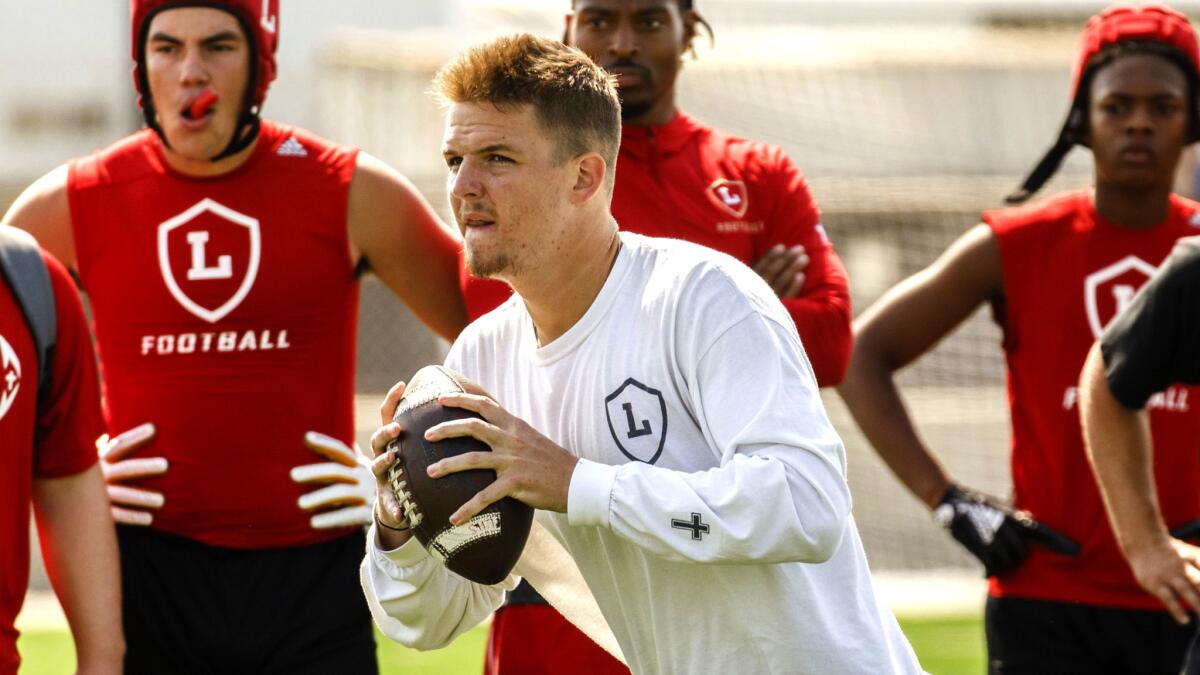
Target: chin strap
(1048,165)
(1042,172)
(248,129)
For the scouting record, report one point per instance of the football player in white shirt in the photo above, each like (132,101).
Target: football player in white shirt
(651,399)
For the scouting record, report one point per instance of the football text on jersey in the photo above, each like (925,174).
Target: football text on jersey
(216,341)
(1172,399)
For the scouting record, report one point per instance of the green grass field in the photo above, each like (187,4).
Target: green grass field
(946,646)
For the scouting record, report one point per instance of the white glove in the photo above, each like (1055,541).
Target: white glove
(349,495)
(117,469)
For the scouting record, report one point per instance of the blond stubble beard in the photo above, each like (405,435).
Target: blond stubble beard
(487,268)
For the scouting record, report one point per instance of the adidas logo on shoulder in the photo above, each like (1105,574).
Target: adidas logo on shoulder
(291,148)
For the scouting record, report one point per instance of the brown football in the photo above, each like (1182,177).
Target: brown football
(485,548)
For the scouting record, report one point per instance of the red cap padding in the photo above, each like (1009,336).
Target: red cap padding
(1120,23)
(260,17)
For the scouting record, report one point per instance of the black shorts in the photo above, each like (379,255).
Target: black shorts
(192,608)
(1037,637)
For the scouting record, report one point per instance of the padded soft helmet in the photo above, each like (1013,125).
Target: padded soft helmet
(1119,23)
(259,20)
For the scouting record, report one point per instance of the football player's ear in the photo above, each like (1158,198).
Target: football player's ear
(591,170)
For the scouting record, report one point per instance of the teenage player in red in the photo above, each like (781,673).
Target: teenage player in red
(222,253)
(46,432)
(679,178)
(1055,273)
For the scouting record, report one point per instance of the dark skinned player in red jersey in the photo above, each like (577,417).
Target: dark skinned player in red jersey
(677,177)
(1055,272)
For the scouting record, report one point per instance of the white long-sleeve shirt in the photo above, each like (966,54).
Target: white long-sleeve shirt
(710,513)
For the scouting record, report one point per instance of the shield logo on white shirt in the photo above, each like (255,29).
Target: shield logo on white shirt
(209,257)
(637,419)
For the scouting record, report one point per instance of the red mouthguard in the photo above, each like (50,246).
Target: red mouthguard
(200,106)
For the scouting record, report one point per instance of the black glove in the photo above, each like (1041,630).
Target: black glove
(993,531)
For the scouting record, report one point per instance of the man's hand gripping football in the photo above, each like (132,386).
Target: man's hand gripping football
(394,527)
(529,467)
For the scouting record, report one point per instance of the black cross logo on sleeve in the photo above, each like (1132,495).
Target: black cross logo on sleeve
(698,528)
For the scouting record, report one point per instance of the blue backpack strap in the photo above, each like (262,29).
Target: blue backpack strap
(22,266)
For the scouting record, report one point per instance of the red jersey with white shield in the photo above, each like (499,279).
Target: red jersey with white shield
(1067,272)
(225,312)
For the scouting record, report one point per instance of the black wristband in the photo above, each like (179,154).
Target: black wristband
(383,524)
(394,529)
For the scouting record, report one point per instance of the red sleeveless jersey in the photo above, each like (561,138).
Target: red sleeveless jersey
(225,314)
(1066,274)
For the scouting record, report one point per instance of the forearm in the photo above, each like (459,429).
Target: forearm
(406,245)
(419,603)
(438,298)
(80,549)
(870,393)
(1119,447)
(655,507)
(823,321)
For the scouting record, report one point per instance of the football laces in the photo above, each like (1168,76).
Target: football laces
(412,513)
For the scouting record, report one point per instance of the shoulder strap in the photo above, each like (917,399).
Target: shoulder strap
(22,266)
